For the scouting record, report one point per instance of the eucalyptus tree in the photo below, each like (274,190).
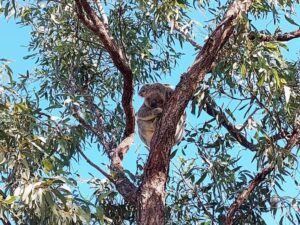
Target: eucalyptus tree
(242,91)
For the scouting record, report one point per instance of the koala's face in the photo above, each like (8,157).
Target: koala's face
(143,91)
(155,94)
(154,100)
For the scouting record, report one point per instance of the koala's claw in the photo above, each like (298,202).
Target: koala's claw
(157,111)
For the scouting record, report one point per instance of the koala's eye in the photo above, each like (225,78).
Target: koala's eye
(160,101)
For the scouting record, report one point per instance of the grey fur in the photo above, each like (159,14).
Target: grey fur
(155,96)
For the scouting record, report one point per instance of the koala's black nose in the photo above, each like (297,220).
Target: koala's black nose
(153,103)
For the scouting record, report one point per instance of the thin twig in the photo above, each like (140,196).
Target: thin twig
(109,177)
(77,115)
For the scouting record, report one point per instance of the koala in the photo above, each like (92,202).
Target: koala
(155,96)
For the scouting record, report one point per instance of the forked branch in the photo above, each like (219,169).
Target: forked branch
(89,17)
(101,29)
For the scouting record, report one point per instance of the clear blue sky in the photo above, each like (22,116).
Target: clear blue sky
(13,41)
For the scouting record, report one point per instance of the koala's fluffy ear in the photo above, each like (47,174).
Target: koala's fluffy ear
(168,85)
(143,90)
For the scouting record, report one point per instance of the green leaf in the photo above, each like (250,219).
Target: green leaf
(54,106)
(10,199)
(102,196)
(243,70)
(20,107)
(290,20)
(281,220)
(47,165)
(60,196)
(277,79)
(203,176)
(271,45)
(6,10)
(261,81)
(100,214)
(84,215)
(9,72)
(49,198)
(173,154)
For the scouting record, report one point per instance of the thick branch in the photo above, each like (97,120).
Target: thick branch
(89,17)
(100,28)
(123,184)
(280,37)
(260,177)
(152,198)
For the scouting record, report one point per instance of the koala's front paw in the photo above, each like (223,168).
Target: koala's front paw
(157,111)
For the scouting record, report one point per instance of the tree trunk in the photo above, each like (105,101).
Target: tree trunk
(151,195)
(151,202)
